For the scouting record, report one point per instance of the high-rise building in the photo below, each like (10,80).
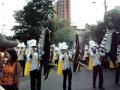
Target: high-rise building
(63,9)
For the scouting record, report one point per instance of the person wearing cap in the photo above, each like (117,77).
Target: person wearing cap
(117,72)
(35,73)
(22,59)
(97,68)
(86,54)
(65,59)
(56,55)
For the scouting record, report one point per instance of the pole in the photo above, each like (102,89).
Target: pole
(105,5)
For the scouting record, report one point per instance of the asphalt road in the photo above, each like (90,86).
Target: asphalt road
(80,81)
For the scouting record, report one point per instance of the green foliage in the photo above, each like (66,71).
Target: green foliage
(63,35)
(32,18)
(56,24)
(111,21)
(97,32)
(37,14)
(112,18)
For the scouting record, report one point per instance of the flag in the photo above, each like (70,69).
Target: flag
(60,70)
(113,50)
(76,56)
(109,44)
(46,56)
(27,68)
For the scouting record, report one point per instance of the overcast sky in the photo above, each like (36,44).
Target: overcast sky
(85,11)
(82,12)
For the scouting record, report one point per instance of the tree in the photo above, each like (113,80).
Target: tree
(112,20)
(96,32)
(56,24)
(32,18)
(64,35)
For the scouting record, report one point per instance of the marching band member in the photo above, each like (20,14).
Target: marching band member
(22,59)
(86,54)
(56,55)
(97,68)
(66,67)
(35,74)
(117,72)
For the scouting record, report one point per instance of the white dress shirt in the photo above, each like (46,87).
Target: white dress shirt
(95,59)
(33,63)
(66,62)
(21,56)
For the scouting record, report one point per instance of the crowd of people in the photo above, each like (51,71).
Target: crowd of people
(13,58)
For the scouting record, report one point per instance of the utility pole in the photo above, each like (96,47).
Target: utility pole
(105,6)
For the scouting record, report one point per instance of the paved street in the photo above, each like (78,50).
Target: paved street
(81,81)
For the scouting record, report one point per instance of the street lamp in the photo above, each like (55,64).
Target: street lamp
(105,5)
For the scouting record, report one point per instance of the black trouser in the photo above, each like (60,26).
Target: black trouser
(35,77)
(56,61)
(22,64)
(67,73)
(117,74)
(87,60)
(98,69)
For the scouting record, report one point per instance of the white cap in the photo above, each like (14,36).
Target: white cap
(31,43)
(19,45)
(56,49)
(53,45)
(91,43)
(22,44)
(64,46)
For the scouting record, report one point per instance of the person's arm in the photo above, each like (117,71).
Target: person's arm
(18,74)
(91,54)
(1,64)
(61,58)
(28,58)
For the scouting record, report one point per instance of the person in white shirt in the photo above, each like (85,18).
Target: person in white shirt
(117,72)
(87,54)
(97,68)
(65,59)
(35,73)
(22,59)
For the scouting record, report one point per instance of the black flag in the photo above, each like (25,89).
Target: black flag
(46,56)
(76,56)
(113,50)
